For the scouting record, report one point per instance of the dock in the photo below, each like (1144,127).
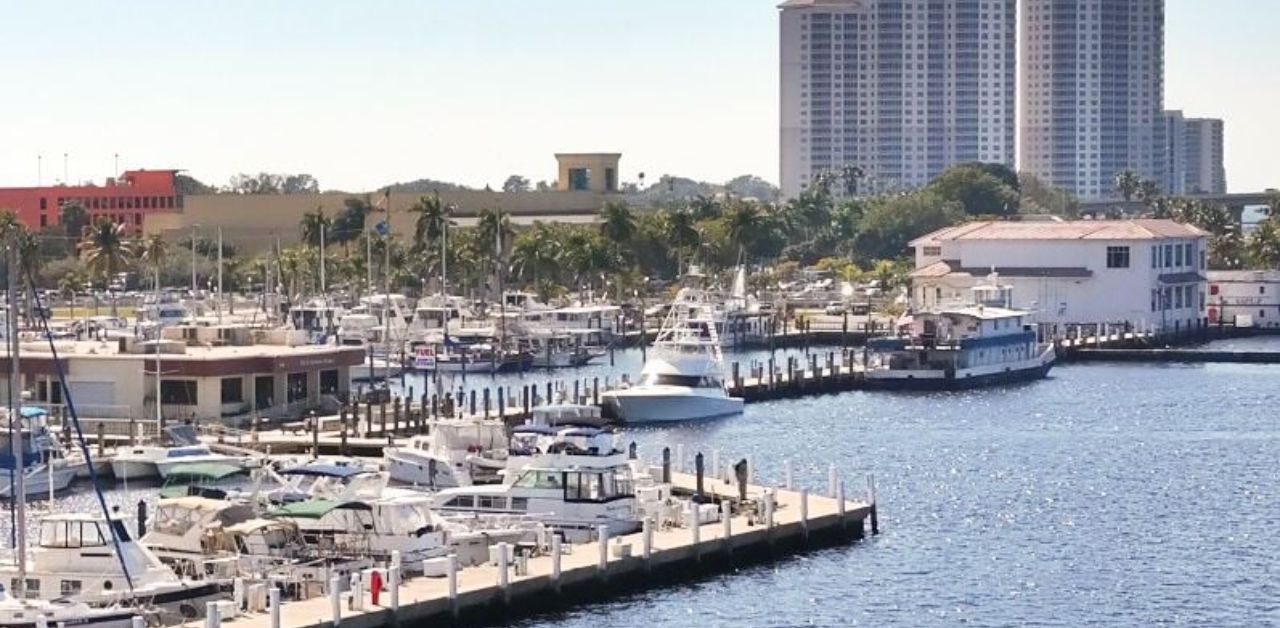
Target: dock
(794,521)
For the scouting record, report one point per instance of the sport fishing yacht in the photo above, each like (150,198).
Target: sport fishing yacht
(682,380)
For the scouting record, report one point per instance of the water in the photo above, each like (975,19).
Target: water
(1106,495)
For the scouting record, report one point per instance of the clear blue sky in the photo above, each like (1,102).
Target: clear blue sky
(364,93)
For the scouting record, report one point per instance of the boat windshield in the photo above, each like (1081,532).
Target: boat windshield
(184,452)
(690,381)
(74,533)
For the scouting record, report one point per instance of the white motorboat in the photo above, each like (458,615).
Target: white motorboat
(15,613)
(76,558)
(577,483)
(177,457)
(458,452)
(41,477)
(397,520)
(683,379)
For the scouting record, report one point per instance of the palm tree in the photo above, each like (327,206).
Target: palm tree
(315,225)
(1127,183)
(742,224)
(105,252)
(681,230)
(1147,193)
(851,175)
(536,254)
(429,224)
(153,252)
(617,223)
(1264,243)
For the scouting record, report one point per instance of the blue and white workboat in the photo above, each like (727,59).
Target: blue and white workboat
(981,343)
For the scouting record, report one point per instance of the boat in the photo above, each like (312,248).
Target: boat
(149,461)
(454,452)
(980,343)
(395,521)
(683,378)
(75,559)
(43,480)
(15,613)
(209,478)
(576,483)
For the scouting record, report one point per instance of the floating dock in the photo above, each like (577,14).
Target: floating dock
(796,521)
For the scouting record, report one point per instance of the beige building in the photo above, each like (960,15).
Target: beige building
(254,222)
(227,373)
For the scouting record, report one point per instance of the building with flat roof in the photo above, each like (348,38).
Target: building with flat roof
(224,373)
(1092,102)
(1147,273)
(1249,298)
(1194,156)
(902,89)
(128,200)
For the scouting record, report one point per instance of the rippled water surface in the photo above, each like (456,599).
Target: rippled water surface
(1105,495)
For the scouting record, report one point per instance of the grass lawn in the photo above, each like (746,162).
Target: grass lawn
(104,309)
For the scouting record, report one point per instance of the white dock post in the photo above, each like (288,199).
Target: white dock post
(786,474)
(273,606)
(603,564)
(832,477)
(43,622)
(555,561)
(396,561)
(504,571)
(211,618)
(393,574)
(804,512)
(726,520)
(138,622)
(768,511)
(648,543)
(840,500)
(453,584)
(695,532)
(237,594)
(335,599)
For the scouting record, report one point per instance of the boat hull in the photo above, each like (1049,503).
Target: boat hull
(637,406)
(134,469)
(420,471)
(937,379)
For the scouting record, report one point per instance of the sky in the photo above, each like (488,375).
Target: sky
(364,93)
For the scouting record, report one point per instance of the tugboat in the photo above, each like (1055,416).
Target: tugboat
(981,343)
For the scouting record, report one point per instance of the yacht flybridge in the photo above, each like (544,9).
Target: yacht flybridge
(683,378)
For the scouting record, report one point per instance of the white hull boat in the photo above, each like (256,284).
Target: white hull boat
(39,478)
(663,404)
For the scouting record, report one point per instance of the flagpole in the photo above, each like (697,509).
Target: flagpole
(386,297)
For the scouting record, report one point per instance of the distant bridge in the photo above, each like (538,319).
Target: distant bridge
(1234,202)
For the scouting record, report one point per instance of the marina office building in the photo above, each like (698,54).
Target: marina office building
(1144,273)
(902,89)
(229,373)
(1244,297)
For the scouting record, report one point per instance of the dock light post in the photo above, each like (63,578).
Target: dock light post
(726,520)
(273,604)
(504,572)
(555,561)
(335,599)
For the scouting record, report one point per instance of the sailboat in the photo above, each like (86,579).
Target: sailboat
(683,378)
(20,611)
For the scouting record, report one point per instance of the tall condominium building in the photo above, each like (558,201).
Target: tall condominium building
(1193,155)
(1092,92)
(899,88)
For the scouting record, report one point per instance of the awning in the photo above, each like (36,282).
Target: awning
(1191,277)
(315,509)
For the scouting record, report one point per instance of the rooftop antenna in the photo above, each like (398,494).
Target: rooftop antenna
(65,160)
(39,170)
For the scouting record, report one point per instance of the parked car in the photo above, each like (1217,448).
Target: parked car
(835,308)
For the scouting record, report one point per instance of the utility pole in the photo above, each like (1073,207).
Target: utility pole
(193,261)
(220,294)
(322,264)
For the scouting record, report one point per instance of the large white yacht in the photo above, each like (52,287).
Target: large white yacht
(683,378)
(457,452)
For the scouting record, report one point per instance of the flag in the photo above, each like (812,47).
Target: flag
(383,204)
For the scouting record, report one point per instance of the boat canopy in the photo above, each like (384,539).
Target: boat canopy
(205,470)
(533,429)
(316,508)
(31,412)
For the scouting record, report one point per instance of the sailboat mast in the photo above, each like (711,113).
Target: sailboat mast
(18,489)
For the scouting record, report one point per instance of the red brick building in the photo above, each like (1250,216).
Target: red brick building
(125,200)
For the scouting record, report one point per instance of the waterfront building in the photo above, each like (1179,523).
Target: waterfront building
(255,222)
(1193,157)
(1092,100)
(227,373)
(902,89)
(128,199)
(1244,297)
(1147,273)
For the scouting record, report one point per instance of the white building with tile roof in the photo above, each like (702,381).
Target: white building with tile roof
(1144,273)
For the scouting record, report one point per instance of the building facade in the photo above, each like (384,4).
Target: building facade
(1144,273)
(127,200)
(1092,102)
(901,89)
(1249,298)
(1194,155)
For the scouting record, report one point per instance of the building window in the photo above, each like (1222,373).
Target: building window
(329,382)
(579,179)
(44,204)
(1155,256)
(297,387)
(137,219)
(933,251)
(1262,289)
(1202,265)
(1177,255)
(1177,298)
(1168,255)
(232,390)
(1155,300)
(178,392)
(1213,289)
(1117,257)
(44,221)
(1186,248)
